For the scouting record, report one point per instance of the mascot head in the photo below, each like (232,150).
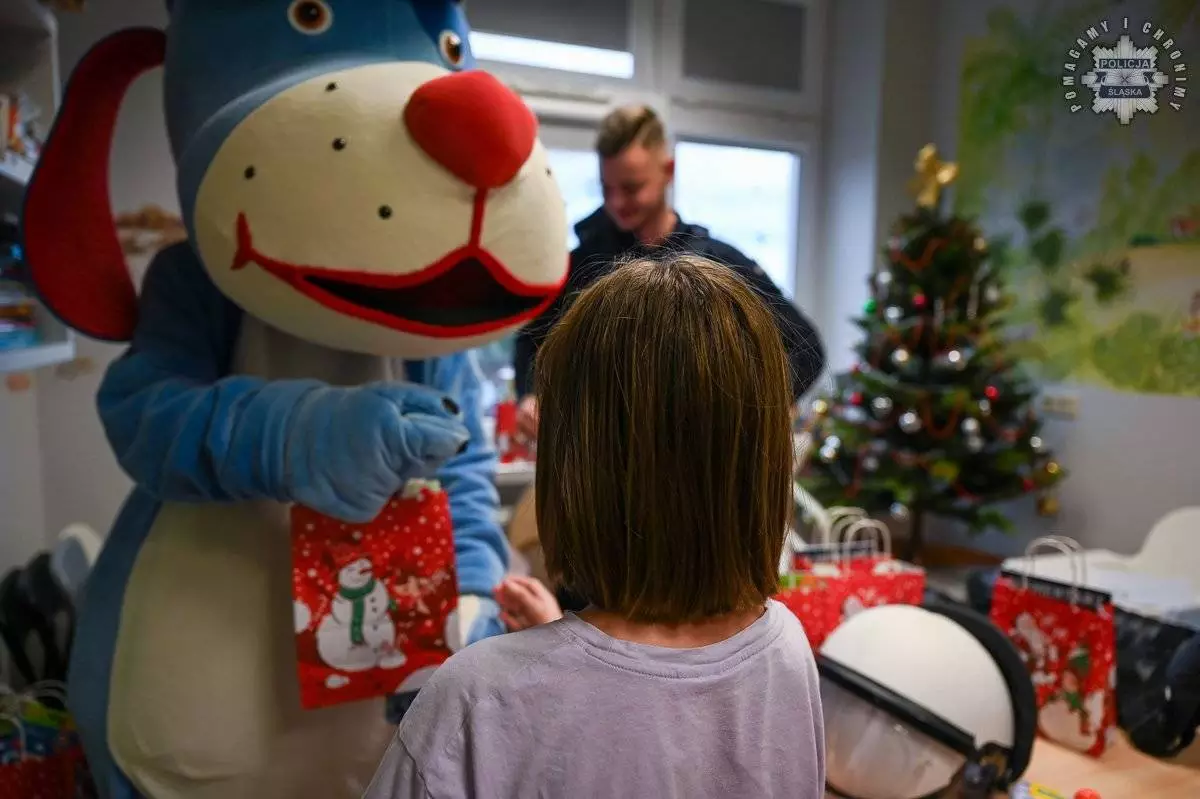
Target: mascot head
(344,172)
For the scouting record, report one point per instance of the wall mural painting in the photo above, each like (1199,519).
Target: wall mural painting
(1099,210)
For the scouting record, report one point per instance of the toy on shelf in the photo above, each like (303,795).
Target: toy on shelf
(18,320)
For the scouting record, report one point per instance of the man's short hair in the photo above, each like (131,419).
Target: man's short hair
(664,443)
(627,126)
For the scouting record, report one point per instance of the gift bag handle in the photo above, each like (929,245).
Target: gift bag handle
(843,520)
(866,523)
(1066,546)
(15,720)
(53,689)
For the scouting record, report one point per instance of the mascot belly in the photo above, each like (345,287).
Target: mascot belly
(364,208)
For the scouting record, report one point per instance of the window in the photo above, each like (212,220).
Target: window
(552,55)
(589,37)
(578,178)
(745,196)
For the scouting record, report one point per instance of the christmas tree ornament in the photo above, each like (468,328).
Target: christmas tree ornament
(1052,469)
(985,407)
(895,243)
(820,407)
(992,393)
(970,426)
(882,406)
(992,294)
(893,314)
(856,398)
(909,422)
(870,463)
(899,511)
(956,360)
(933,175)
(974,444)
(1047,505)
(883,279)
(900,356)
(980,244)
(919,301)
(1036,444)
(828,454)
(870,306)
(1027,484)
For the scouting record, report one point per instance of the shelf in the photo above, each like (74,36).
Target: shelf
(15,169)
(27,15)
(514,474)
(37,356)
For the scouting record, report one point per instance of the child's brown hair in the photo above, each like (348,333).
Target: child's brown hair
(664,443)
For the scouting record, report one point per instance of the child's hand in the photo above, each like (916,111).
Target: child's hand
(525,602)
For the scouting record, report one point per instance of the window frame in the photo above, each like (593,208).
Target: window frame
(719,93)
(729,128)
(643,41)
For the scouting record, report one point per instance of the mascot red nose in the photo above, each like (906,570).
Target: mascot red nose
(363,209)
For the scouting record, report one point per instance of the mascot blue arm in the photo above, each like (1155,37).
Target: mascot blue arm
(265,354)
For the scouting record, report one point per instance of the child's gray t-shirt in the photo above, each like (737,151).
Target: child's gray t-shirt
(564,710)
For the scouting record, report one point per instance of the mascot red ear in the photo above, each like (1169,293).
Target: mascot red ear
(71,243)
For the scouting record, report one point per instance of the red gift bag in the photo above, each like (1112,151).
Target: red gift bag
(375,602)
(1066,635)
(50,771)
(847,579)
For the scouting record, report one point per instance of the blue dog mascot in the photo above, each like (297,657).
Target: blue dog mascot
(363,208)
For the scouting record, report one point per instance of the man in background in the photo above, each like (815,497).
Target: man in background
(636,169)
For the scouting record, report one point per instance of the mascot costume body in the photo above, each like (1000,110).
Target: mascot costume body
(363,209)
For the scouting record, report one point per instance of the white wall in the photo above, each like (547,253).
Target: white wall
(82,481)
(56,467)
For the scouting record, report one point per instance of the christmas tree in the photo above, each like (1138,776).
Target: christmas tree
(935,418)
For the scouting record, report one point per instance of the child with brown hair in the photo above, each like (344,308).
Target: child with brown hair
(663,492)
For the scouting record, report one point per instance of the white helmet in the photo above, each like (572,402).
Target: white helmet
(924,702)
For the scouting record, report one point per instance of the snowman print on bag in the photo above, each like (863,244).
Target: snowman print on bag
(358,633)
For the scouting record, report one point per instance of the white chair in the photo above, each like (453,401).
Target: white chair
(74,555)
(1172,547)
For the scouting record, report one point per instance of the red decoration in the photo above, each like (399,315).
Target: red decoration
(1086,793)
(856,398)
(991,392)
(373,602)
(1027,484)
(822,598)
(1068,643)
(919,301)
(510,445)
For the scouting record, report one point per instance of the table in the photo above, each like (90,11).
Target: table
(1122,773)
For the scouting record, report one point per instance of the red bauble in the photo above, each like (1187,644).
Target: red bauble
(856,398)
(919,301)
(991,392)
(1027,484)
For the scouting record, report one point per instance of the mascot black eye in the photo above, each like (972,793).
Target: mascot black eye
(310,17)
(452,48)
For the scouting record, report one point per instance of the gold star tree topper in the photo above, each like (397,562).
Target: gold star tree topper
(932,176)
